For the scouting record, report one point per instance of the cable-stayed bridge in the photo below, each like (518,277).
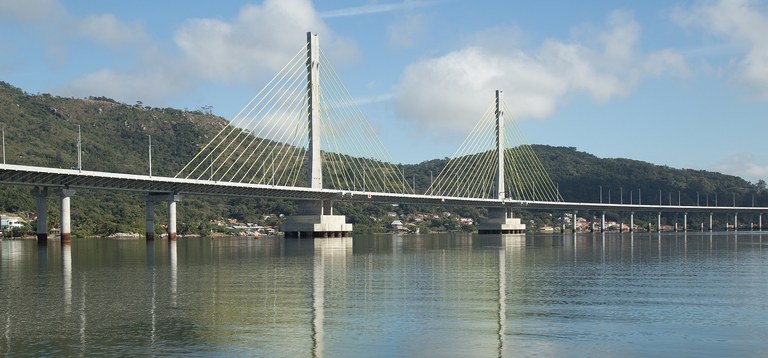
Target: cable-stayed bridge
(302,137)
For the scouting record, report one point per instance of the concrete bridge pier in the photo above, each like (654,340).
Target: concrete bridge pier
(172,218)
(66,225)
(759,222)
(152,198)
(711,227)
(735,221)
(316,219)
(573,222)
(41,194)
(150,219)
(602,222)
(501,221)
(631,221)
(685,222)
(562,222)
(658,222)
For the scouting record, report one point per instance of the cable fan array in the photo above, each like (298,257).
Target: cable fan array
(267,141)
(472,171)
(354,157)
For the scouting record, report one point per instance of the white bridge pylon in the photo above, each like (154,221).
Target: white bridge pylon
(302,129)
(495,162)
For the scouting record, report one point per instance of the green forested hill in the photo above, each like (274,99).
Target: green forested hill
(42,130)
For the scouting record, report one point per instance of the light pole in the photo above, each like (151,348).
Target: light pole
(150,154)
(79,150)
(601,194)
(3,143)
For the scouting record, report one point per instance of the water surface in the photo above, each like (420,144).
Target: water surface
(383,296)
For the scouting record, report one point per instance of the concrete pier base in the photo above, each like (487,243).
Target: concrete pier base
(41,194)
(501,221)
(316,219)
(66,226)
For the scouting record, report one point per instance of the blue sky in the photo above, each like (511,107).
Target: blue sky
(678,83)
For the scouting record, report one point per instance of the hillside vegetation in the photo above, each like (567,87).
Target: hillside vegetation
(42,130)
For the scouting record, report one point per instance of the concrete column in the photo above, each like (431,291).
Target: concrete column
(41,194)
(711,228)
(631,221)
(172,219)
(760,222)
(735,221)
(326,207)
(602,222)
(562,222)
(66,226)
(685,222)
(573,222)
(150,219)
(658,222)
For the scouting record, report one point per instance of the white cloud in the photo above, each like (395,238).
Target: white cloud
(247,49)
(745,24)
(260,40)
(743,165)
(108,30)
(376,8)
(450,92)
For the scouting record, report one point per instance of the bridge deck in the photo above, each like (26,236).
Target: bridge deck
(73,178)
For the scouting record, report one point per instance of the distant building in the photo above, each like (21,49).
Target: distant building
(11,222)
(396,224)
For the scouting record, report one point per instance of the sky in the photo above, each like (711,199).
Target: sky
(676,83)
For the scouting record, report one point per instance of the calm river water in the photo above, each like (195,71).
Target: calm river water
(383,296)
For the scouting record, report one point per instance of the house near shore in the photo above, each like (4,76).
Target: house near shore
(11,222)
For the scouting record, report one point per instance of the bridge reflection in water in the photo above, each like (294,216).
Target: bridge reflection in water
(385,295)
